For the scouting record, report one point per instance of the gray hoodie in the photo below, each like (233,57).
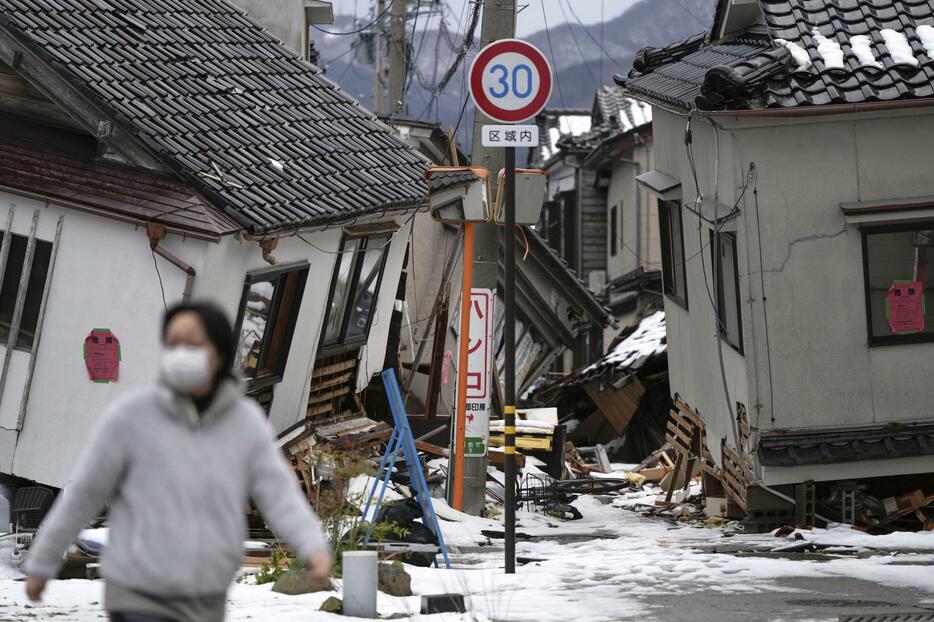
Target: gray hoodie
(178,484)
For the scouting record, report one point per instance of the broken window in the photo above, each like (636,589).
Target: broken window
(9,291)
(672,241)
(354,289)
(614,231)
(729,313)
(898,293)
(268,313)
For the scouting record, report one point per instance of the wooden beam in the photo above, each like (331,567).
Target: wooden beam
(86,112)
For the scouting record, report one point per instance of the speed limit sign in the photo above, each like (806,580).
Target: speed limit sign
(510,80)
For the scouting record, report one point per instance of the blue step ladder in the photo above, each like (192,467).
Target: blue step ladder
(403,442)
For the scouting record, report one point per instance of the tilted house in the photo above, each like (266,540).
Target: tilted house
(794,138)
(154,151)
(553,306)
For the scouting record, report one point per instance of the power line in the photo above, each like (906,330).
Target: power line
(468,43)
(592,38)
(691,13)
(577,45)
(358,30)
(553,61)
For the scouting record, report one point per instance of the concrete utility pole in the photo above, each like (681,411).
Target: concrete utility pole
(397,58)
(499,22)
(379,98)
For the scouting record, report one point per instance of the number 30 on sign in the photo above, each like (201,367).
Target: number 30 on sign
(510,81)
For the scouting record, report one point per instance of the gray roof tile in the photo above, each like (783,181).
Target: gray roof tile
(756,72)
(200,83)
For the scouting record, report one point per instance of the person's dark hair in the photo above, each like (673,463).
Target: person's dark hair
(216,325)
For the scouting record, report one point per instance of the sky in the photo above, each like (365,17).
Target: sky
(530,17)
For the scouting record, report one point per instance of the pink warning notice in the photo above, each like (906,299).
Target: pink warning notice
(904,306)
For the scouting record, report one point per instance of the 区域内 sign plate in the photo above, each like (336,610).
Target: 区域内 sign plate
(509,135)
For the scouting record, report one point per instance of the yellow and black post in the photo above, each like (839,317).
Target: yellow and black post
(509,344)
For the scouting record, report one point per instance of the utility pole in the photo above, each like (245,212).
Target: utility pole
(398,48)
(499,22)
(379,99)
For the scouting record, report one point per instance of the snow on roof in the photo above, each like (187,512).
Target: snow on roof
(647,341)
(635,115)
(565,125)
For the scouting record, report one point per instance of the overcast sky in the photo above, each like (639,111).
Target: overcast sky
(530,18)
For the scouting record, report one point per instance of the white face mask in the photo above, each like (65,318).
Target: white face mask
(184,368)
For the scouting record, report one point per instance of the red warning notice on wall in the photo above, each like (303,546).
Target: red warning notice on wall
(904,307)
(102,355)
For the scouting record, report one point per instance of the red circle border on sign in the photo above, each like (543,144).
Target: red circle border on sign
(476,80)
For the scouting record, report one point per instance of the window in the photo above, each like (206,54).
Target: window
(673,268)
(729,313)
(42,255)
(354,288)
(898,292)
(268,312)
(614,233)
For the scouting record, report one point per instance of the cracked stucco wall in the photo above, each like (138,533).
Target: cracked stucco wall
(815,368)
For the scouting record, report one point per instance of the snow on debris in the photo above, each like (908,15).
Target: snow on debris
(646,341)
(798,53)
(863,51)
(899,48)
(829,50)
(926,34)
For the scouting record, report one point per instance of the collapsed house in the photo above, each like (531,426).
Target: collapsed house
(553,306)
(157,152)
(792,182)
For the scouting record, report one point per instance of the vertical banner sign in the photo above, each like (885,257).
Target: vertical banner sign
(479,372)
(102,356)
(904,307)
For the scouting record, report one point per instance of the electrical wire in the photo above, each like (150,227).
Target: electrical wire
(155,263)
(554,63)
(691,13)
(594,39)
(465,47)
(358,30)
(596,83)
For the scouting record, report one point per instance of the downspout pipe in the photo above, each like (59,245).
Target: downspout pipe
(156,233)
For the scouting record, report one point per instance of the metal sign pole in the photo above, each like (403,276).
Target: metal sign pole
(509,342)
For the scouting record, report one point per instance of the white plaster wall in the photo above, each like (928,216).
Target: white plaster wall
(694,368)
(806,362)
(638,216)
(227,266)
(284,19)
(823,371)
(103,278)
(373,354)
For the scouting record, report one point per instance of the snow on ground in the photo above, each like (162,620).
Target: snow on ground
(614,564)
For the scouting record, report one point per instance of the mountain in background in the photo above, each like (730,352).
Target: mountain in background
(580,64)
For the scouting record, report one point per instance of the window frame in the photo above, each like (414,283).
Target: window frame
(263,274)
(721,291)
(668,273)
(343,344)
(888,340)
(614,226)
(20,345)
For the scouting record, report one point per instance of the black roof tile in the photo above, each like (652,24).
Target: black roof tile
(201,84)
(756,71)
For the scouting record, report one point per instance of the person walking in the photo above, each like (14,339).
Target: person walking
(177,464)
